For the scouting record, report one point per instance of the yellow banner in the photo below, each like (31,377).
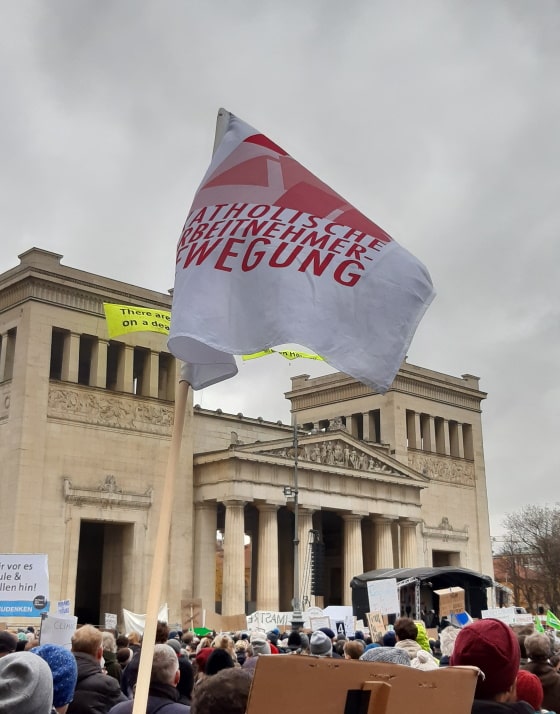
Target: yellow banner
(287,354)
(123,319)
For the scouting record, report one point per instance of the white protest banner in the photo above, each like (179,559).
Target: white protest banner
(136,623)
(58,630)
(505,614)
(267,620)
(384,596)
(24,585)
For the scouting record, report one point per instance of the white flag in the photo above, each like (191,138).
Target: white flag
(269,255)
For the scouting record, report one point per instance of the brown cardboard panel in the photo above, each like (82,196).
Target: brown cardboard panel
(191,613)
(320,686)
(451,600)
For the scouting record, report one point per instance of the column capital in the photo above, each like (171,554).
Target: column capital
(409,521)
(383,520)
(234,502)
(266,507)
(352,516)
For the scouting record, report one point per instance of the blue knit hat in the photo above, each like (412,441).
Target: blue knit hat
(64,671)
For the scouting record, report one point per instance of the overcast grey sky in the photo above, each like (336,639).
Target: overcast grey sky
(440,120)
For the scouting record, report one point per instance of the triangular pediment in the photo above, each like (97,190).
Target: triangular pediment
(334,450)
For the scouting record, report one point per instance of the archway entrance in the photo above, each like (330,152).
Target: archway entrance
(102,553)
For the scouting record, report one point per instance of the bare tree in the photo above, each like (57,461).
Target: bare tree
(533,537)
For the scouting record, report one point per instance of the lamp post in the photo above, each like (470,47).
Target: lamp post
(297,616)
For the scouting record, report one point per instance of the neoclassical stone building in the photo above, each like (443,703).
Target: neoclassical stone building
(85,425)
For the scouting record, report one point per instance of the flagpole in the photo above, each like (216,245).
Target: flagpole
(159,563)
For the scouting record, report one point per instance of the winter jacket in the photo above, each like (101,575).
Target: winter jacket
(161,698)
(95,692)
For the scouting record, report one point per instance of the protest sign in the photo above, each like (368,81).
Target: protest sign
(383,596)
(376,624)
(63,607)
(24,585)
(58,630)
(110,621)
(451,600)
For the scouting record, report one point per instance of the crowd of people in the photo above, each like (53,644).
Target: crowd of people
(213,674)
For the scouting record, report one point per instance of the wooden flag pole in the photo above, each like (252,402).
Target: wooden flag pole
(160,553)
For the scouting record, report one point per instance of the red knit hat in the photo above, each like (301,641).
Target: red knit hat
(530,689)
(202,658)
(491,646)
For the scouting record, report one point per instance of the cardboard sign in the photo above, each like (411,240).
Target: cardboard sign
(58,630)
(384,596)
(226,623)
(376,624)
(326,686)
(451,600)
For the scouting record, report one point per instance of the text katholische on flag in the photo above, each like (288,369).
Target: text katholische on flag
(270,255)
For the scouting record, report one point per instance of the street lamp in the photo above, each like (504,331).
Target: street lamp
(292,492)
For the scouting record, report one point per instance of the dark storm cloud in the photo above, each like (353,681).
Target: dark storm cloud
(439,122)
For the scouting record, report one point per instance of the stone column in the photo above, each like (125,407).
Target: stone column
(125,369)
(429,430)
(413,429)
(233,589)
(71,358)
(98,369)
(350,425)
(460,442)
(267,567)
(204,575)
(383,542)
(409,544)
(305,524)
(151,372)
(353,553)
(3,350)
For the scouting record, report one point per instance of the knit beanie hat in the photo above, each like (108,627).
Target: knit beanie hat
(62,664)
(327,631)
(175,645)
(294,640)
(424,661)
(26,684)
(389,639)
(219,659)
(320,644)
(530,689)
(392,655)
(491,646)
(202,658)
(260,645)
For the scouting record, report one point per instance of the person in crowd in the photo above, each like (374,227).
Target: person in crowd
(240,649)
(26,684)
(219,659)
(332,637)
(124,655)
(406,632)
(424,661)
(539,649)
(129,676)
(447,639)
(320,644)
(530,690)
(62,664)
(353,649)
(391,655)
(491,646)
(95,690)
(134,641)
(112,666)
(200,662)
(8,643)
(186,680)
(259,644)
(227,691)
(163,693)
(389,639)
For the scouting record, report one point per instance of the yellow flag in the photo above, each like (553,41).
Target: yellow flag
(122,319)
